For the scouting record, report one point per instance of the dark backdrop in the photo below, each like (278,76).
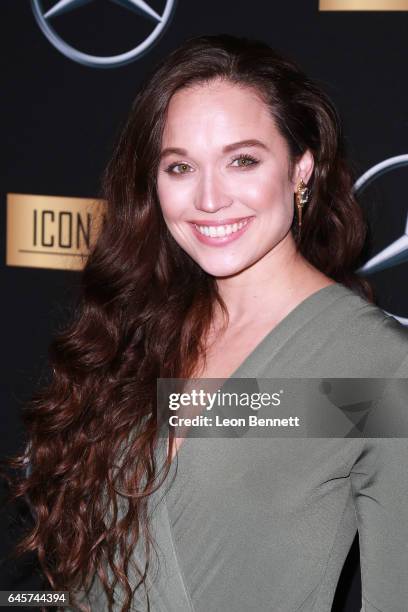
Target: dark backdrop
(59,119)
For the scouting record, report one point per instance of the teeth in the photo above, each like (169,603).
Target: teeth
(219,231)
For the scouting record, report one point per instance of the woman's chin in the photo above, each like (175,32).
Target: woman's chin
(222,271)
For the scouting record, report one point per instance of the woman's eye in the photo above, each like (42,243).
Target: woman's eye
(178,168)
(243,161)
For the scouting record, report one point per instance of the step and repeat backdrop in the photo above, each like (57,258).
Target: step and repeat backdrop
(69,72)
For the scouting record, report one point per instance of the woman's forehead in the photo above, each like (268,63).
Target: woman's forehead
(217,93)
(218,111)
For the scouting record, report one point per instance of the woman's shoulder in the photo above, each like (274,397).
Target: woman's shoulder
(355,335)
(370,319)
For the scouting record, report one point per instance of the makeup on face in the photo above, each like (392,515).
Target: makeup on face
(223,181)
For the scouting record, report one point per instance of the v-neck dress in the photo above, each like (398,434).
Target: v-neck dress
(265,524)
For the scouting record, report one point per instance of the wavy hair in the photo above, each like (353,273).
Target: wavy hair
(143,312)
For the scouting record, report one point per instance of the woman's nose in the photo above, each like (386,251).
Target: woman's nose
(212,194)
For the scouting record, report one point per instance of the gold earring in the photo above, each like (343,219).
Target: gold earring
(302,196)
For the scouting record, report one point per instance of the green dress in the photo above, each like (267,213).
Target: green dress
(265,524)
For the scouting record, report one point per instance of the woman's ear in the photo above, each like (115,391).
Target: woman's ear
(303,169)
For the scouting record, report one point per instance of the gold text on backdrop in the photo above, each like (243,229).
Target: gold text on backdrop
(51,231)
(363,5)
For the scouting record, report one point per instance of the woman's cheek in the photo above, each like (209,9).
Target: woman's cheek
(169,202)
(176,200)
(256,193)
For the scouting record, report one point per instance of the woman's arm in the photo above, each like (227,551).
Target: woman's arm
(379,480)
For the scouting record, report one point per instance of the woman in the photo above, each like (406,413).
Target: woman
(229,246)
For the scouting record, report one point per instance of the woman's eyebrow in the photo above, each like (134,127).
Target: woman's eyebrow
(253,142)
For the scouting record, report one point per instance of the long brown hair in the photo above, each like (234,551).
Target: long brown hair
(144,310)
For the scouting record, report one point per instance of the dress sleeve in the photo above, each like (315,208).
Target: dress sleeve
(379,484)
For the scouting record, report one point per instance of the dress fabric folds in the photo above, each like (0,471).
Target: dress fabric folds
(265,524)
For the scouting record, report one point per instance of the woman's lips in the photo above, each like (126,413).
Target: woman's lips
(219,233)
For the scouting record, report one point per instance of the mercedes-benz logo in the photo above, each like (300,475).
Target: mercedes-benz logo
(44,19)
(397,251)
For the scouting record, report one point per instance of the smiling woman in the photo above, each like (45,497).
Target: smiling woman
(231,179)
(229,250)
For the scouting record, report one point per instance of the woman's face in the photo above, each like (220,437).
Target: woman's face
(223,179)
